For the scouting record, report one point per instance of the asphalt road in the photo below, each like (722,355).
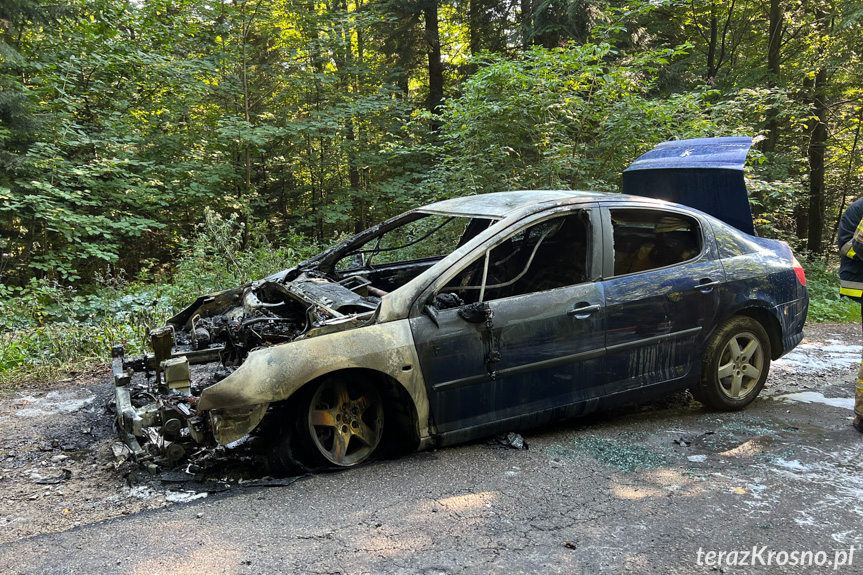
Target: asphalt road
(655,489)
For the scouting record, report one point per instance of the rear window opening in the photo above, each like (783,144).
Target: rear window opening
(650,239)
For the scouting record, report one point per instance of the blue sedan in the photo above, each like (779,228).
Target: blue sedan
(477,315)
(465,318)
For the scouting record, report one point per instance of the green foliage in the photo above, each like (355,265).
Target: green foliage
(562,118)
(217,258)
(187,141)
(47,329)
(825,303)
(120,122)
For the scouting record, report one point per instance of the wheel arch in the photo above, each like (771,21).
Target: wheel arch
(287,455)
(770,324)
(272,375)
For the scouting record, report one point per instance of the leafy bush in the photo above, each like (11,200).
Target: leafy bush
(573,117)
(825,303)
(47,329)
(217,257)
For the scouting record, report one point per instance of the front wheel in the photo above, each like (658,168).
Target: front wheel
(341,421)
(735,365)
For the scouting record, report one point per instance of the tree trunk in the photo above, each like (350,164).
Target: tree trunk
(476,21)
(246,192)
(711,48)
(768,146)
(774,69)
(435,64)
(526,23)
(350,85)
(817,147)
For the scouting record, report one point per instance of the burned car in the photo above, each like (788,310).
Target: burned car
(465,318)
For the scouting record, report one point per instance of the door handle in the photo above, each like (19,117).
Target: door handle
(706,285)
(584,311)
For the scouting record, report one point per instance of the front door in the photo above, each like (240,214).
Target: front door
(528,345)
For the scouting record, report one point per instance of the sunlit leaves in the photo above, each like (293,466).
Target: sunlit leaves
(560,118)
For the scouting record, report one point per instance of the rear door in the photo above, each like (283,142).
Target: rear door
(661,295)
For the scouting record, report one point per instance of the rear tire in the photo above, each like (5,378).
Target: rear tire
(735,365)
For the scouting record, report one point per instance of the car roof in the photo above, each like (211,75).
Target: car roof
(497,205)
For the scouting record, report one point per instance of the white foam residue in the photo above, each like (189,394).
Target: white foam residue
(847,537)
(815,397)
(184,496)
(811,358)
(792,465)
(142,492)
(757,489)
(51,403)
(853,349)
(836,469)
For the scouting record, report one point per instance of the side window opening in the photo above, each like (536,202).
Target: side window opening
(650,239)
(547,255)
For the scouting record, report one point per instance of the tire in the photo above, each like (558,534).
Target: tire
(735,365)
(340,422)
(282,461)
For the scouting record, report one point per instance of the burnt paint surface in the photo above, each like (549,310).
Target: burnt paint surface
(761,278)
(647,335)
(759,273)
(658,320)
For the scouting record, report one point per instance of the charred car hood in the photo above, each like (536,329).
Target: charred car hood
(267,299)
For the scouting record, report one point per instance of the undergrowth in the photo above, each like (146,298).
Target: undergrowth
(49,331)
(825,303)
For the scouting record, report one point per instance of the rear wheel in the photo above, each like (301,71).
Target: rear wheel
(341,421)
(735,365)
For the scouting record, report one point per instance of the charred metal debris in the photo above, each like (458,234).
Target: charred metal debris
(157,394)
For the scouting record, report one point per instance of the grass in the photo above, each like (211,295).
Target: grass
(825,303)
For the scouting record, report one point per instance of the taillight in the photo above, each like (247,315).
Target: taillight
(798,269)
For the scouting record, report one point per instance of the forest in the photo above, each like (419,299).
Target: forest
(153,149)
